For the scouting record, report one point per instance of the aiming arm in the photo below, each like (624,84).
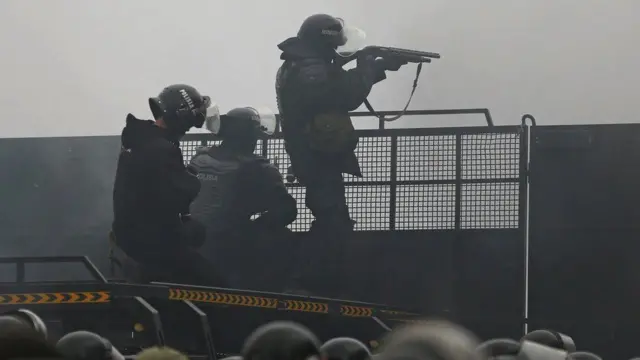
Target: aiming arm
(326,89)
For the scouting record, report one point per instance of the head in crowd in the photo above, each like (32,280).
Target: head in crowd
(344,348)
(161,353)
(30,319)
(583,355)
(552,339)
(499,349)
(21,338)
(281,340)
(437,340)
(85,345)
(181,107)
(240,128)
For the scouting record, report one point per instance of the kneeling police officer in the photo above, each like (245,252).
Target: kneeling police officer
(236,185)
(153,190)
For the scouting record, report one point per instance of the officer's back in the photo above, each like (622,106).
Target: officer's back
(236,183)
(146,205)
(234,186)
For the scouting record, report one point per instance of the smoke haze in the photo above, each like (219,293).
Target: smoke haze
(76,68)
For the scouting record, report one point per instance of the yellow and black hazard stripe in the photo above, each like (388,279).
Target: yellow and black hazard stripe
(223,298)
(55,298)
(356,311)
(306,306)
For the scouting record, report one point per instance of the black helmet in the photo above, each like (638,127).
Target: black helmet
(281,340)
(31,319)
(323,29)
(244,122)
(552,339)
(182,107)
(433,339)
(501,348)
(85,345)
(344,348)
(585,355)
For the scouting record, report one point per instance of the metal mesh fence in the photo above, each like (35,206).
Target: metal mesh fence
(421,179)
(490,172)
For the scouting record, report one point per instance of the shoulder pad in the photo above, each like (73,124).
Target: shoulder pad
(312,71)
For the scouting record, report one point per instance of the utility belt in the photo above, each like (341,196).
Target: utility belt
(332,133)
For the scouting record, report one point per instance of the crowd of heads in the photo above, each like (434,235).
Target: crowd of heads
(23,335)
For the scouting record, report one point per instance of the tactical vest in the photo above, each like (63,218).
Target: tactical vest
(329,132)
(214,206)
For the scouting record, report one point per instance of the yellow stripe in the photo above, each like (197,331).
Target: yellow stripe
(55,298)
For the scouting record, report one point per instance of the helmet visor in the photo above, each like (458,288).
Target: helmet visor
(354,40)
(265,120)
(212,118)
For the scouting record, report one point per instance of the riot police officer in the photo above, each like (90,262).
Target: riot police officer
(238,184)
(315,95)
(153,190)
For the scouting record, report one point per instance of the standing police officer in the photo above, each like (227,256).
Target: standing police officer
(315,95)
(153,190)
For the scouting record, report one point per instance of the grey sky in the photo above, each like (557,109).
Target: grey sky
(76,67)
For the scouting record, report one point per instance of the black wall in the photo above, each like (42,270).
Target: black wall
(56,200)
(584,234)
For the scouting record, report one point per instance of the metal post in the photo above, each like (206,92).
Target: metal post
(393,184)
(458,189)
(206,330)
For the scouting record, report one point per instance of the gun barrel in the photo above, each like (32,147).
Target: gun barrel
(424,54)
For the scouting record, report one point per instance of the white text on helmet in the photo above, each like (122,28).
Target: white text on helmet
(187,98)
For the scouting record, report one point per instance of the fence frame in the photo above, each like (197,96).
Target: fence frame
(522,179)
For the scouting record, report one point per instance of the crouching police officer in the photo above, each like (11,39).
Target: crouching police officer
(315,95)
(153,190)
(237,185)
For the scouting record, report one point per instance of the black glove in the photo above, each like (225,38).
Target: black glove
(392,64)
(365,61)
(192,170)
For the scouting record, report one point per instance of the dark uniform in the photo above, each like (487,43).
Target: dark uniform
(315,95)
(237,185)
(153,190)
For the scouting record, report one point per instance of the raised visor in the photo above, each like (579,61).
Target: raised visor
(203,321)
